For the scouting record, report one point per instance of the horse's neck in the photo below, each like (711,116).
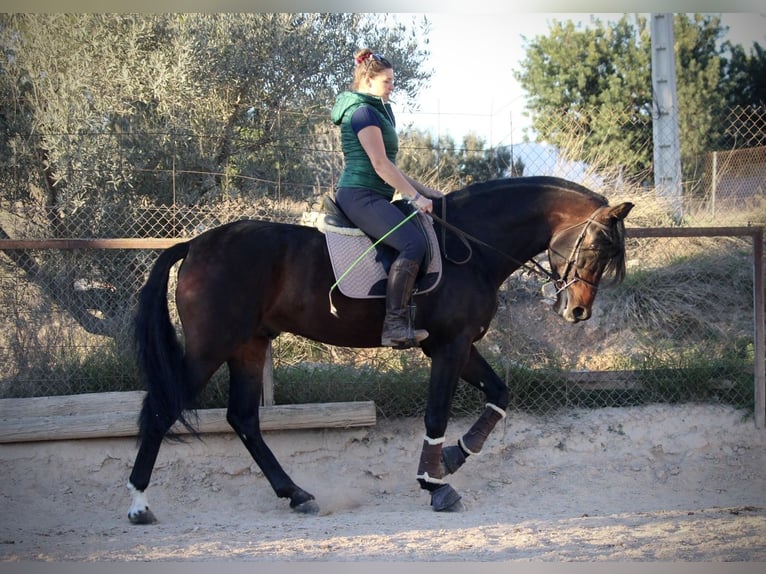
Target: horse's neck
(521,229)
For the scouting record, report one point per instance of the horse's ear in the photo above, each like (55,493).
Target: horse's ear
(620,211)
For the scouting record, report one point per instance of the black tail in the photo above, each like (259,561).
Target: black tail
(159,353)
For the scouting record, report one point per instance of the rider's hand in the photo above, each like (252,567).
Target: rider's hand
(423,204)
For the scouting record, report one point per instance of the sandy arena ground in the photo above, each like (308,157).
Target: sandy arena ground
(654,483)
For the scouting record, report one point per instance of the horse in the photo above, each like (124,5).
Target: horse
(243,283)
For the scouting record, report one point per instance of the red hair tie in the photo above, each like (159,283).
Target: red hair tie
(361,59)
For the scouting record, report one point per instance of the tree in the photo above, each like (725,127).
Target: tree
(191,80)
(420,157)
(744,75)
(593,86)
(445,165)
(480,164)
(744,88)
(105,113)
(701,102)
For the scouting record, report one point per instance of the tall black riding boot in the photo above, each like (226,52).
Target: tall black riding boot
(397,331)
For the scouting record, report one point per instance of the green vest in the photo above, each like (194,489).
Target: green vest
(358,170)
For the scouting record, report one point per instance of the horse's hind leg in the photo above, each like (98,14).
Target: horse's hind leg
(139,512)
(152,436)
(155,424)
(246,386)
(480,374)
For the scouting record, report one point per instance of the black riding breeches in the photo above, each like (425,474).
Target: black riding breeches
(375,215)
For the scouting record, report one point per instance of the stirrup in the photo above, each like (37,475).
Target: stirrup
(412,339)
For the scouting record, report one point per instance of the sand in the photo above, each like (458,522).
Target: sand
(651,483)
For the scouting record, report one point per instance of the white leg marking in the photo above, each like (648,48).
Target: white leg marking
(140,502)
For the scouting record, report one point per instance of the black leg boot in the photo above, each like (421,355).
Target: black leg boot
(397,331)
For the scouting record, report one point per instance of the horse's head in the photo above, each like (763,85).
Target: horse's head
(581,254)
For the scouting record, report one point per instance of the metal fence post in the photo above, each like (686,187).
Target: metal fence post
(760,346)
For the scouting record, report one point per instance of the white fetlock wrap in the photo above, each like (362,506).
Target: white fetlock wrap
(433,441)
(429,479)
(497,409)
(466,449)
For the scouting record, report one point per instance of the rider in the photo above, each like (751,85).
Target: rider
(368,182)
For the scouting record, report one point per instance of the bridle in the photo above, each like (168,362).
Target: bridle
(559,283)
(563,282)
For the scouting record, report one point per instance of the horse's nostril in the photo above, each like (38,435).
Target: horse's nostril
(580,313)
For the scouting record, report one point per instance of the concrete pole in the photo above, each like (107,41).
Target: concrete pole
(667,146)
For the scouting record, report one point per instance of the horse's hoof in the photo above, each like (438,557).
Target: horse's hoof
(307,507)
(145,516)
(446,499)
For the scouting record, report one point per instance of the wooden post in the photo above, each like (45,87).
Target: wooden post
(114,414)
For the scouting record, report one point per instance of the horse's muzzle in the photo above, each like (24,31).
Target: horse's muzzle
(576,314)
(569,310)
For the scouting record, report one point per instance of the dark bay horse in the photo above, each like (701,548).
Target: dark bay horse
(243,283)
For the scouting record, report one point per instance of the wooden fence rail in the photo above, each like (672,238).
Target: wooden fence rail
(115,414)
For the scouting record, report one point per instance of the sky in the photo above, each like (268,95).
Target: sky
(473,57)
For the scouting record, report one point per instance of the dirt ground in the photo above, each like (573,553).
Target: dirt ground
(653,483)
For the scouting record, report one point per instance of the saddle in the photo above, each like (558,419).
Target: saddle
(362,271)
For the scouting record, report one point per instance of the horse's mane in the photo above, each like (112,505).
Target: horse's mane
(613,252)
(513,184)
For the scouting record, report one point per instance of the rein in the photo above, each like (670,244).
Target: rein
(465,237)
(560,284)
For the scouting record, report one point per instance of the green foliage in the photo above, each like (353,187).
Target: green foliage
(425,159)
(701,101)
(599,79)
(745,75)
(104,115)
(721,376)
(590,76)
(219,90)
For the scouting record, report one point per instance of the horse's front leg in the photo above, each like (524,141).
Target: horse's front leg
(446,365)
(480,374)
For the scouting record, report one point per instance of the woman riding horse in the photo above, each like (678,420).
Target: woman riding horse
(368,182)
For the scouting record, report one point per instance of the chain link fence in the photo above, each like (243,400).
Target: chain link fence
(680,327)
(732,179)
